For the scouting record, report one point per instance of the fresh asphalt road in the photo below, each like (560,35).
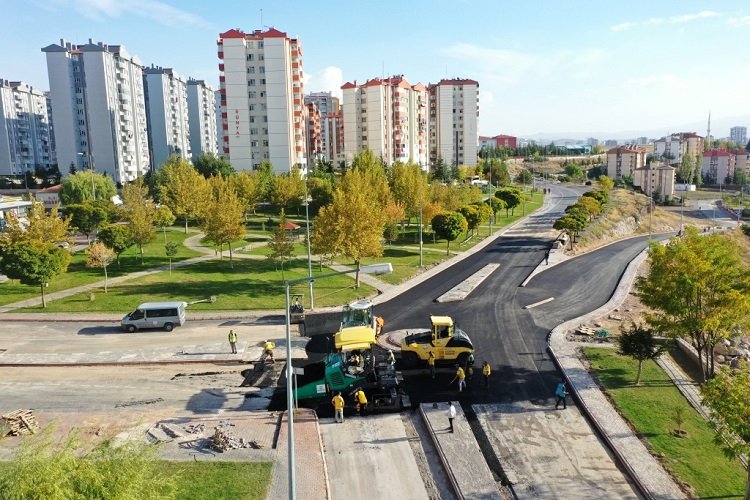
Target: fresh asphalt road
(511,338)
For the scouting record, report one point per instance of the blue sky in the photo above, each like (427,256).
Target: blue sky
(567,68)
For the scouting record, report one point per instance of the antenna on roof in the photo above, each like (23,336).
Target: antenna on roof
(261,18)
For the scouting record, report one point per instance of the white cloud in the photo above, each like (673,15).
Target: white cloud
(506,66)
(739,21)
(655,21)
(329,79)
(159,12)
(666,82)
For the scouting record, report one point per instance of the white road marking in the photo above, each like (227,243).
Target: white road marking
(529,306)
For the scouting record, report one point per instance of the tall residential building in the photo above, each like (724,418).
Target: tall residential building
(655,178)
(25,141)
(313,131)
(219,125)
(328,105)
(718,166)
(623,161)
(738,135)
(454,115)
(675,146)
(388,117)
(51,123)
(99,107)
(334,139)
(167,113)
(261,99)
(202,116)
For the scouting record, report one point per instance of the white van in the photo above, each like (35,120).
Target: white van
(165,315)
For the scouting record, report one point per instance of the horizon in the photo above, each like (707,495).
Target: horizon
(631,68)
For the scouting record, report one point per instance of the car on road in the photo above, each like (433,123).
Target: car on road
(166,315)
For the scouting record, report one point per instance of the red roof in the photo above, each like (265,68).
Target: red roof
(419,86)
(289,225)
(233,33)
(625,149)
(458,81)
(53,189)
(272,33)
(372,83)
(717,152)
(349,85)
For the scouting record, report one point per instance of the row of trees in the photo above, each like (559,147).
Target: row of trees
(581,213)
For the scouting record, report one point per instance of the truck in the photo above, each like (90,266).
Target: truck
(449,344)
(353,365)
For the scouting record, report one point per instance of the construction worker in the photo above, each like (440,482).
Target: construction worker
(233,341)
(268,348)
(486,372)
(461,377)
(338,405)
(431,363)
(470,361)
(379,322)
(391,358)
(360,401)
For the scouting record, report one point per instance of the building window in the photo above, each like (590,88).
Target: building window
(260,45)
(251,69)
(253,131)
(262,69)
(265,142)
(261,57)
(262,81)
(251,94)
(252,119)
(263,94)
(254,144)
(251,82)
(252,107)
(250,57)
(265,131)
(262,107)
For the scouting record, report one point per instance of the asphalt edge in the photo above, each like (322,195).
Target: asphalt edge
(443,459)
(321,447)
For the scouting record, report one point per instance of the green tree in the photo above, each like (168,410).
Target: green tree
(390,233)
(249,189)
(39,227)
(34,264)
(140,212)
(84,185)
(686,170)
(281,246)
(471,214)
(352,224)
(573,170)
(512,197)
(570,225)
(86,217)
(699,287)
(590,205)
(409,186)
(448,226)
(106,470)
(288,190)
(222,220)
(441,170)
(210,165)
(727,396)
(170,249)
(182,188)
(117,237)
(639,343)
(500,174)
(100,255)
(605,183)
(320,191)
(524,177)
(163,217)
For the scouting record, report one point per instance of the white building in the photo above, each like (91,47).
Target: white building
(623,161)
(673,147)
(454,116)
(25,140)
(219,125)
(388,117)
(262,109)
(718,166)
(167,113)
(99,107)
(202,116)
(738,135)
(328,106)
(656,177)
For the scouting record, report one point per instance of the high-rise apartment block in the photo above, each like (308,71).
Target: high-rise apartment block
(25,137)
(261,99)
(388,117)
(313,132)
(454,114)
(167,112)
(331,142)
(202,114)
(623,161)
(673,147)
(99,107)
(738,135)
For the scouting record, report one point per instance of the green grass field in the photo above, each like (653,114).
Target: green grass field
(78,274)
(252,284)
(696,459)
(221,480)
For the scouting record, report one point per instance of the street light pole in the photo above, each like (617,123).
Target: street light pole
(309,254)
(383,268)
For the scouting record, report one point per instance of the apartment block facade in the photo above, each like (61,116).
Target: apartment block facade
(99,106)
(453,118)
(167,114)
(202,117)
(673,147)
(313,132)
(25,129)
(499,141)
(718,165)
(260,86)
(387,116)
(655,178)
(738,135)
(623,161)
(329,107)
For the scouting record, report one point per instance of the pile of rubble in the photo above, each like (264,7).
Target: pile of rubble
(18,422)
(731,350)
(223,440)
(195,428)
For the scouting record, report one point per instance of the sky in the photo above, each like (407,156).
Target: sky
(571,69)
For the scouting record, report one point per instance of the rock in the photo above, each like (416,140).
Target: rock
(720,358)
(615,317)
(155,434)
(598,325)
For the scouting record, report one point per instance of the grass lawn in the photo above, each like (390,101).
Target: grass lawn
(252,284)
(696,459)
(221,480)
(78,274)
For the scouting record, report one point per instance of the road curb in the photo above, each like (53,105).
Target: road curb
(443,459)
(130,363)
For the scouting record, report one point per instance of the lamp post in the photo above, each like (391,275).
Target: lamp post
(492,189)
(309,254)
(383,268)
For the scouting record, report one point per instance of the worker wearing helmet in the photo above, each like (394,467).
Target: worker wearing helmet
(360,401)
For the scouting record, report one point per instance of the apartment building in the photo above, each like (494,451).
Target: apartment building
(387,116)
(99,107)
(623,161)
(673,147)
(25,137)
(498,141)
(260,86)
(718,166)
(738,135)
(313,132)
(202,118)
(453,117)
(167,115)
(329,107)
(655,178)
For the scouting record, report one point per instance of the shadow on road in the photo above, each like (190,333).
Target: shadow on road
(206,401)
(100,330)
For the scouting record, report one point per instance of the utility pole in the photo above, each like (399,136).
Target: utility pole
(309,255)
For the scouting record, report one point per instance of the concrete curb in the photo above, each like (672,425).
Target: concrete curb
(275,317)
(323,458)
(443,459)
(131,363)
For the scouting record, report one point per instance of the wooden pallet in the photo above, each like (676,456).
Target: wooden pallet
(18,422)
